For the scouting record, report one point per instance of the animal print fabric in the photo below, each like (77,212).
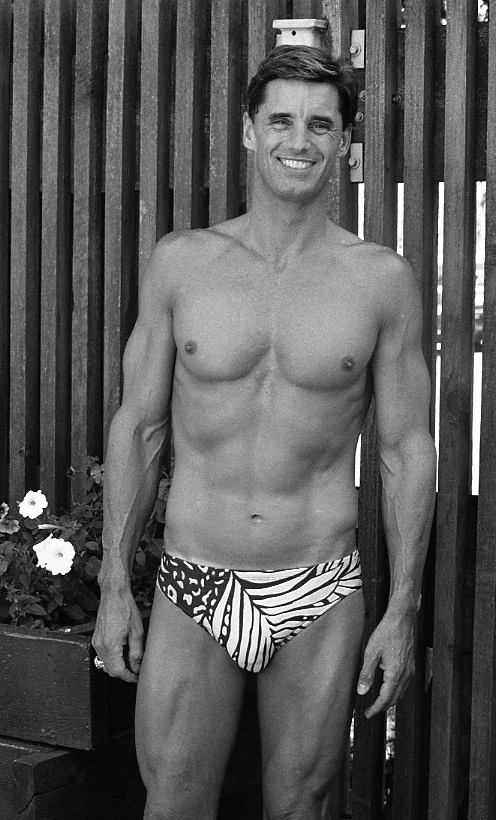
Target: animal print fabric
(252,614)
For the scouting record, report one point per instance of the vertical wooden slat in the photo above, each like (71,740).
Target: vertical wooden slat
(25,254)
(225,110)
(446,776)
(5,58)
(420,248)
(189,137)
(120,168)
(342,201)
(261,39)
(155,125)
(87,317)
(304,9)
(380,227)
(483,737)
(56,274)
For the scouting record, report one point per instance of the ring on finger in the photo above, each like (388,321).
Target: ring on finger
(99,664)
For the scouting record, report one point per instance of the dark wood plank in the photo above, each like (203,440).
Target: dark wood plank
(56,278)
(420,247)
(189,191)
(11,750)
(155,98)
(261,39)
(25,250)
(87,258)
(481,86)
(121,269)
(33,666)
(380,227)
(307,9)
(225,110)
(5,60)
(103,785)
(483,736)
(446,775)
(342,201)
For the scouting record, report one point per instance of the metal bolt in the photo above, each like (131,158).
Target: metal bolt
(355,49)
(354,162)
(362,96)
(359,117)
(396,99)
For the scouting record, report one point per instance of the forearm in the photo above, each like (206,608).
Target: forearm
(132,473)
(408,500)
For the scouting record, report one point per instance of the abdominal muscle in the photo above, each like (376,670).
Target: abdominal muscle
(270,490)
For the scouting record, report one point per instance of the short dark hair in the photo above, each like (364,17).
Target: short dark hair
(312,65)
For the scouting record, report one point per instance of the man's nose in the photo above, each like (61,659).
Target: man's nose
(298,138)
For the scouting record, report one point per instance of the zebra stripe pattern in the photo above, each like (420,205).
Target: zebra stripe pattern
(252,614)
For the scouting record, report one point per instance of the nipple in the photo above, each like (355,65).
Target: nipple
(348,363)
(256,517)
(190,347)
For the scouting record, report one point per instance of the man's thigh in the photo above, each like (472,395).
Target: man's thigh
(306,696)
(188,704)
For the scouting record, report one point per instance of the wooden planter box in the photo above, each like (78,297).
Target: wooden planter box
(51,693)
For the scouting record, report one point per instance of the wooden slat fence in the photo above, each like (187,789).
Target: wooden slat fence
(119,121)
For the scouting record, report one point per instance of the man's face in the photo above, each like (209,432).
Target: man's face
(297,135)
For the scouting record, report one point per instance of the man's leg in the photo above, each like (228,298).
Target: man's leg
(189,699)
(306,697)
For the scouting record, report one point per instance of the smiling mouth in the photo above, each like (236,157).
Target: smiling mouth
(296,164)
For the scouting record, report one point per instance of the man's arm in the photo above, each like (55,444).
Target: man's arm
(407,462)
(137,440)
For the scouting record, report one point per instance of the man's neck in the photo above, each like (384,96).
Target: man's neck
(279,229)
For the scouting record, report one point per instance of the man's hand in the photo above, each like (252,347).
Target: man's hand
(391,647)
(119,629)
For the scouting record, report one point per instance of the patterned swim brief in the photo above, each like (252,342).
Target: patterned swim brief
(252,614)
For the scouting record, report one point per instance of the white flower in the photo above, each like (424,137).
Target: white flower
(33,504)
(55,555)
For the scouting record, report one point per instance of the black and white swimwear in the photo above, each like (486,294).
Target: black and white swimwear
(253,613)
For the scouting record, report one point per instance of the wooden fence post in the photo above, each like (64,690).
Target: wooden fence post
(420,248)
(154,170)
(25,249)
(56,263)
(225,111)
(5,39)
(447,779)
(380,227)
(121,269)
(87,257)
(189,154)
(482,805)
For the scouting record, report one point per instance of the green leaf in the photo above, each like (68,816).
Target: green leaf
(92,567)
(75,613)
(4,565)
(35,609)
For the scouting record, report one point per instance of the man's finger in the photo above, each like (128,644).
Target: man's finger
(384,700)
(367,675)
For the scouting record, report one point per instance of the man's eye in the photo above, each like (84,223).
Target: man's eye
(320,127)
(279,123)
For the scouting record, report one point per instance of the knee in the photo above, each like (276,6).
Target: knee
(176,790)
(299,792)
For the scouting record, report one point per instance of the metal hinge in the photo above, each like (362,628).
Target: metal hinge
(357,48)
(355,161)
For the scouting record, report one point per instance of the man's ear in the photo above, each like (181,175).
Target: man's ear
(249,139)
(345,141)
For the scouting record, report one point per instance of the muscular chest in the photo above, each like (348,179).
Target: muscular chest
(315,330)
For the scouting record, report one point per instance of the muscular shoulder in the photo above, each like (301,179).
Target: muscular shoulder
(175,259)
(392,283)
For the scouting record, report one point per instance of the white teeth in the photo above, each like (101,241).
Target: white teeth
(295,163)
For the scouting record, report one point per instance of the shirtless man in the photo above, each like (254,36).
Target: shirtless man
(263,339)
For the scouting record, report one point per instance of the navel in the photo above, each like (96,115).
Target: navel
(348,362)
(256,518)
(191,347)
